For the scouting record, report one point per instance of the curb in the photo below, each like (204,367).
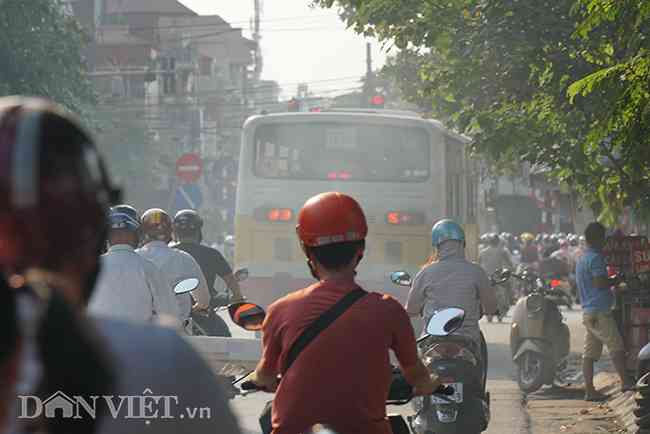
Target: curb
(622,404)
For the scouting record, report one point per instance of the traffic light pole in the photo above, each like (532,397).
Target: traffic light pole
(369,87)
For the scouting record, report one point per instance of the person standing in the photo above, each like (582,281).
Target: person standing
(597,301)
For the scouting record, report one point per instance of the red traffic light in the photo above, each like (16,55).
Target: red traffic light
(377,100)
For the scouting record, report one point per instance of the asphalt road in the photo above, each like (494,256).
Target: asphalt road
(509,414)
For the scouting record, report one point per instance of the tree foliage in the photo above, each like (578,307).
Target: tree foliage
(40,48)
(562,84)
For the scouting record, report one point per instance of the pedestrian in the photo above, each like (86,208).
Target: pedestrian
(597,300)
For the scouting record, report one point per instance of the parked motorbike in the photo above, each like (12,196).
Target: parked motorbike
(539,338)
(442,323)
(457,361)
(210,323)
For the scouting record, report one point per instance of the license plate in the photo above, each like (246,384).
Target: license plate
(456,397)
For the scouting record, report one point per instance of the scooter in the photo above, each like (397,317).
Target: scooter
(503,299)
(442,323)
(458,362)
(539,338)
(210,323)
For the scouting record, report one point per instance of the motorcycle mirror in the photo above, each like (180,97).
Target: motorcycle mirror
(185,286)
(401,278)
(241,274)
(446,321)
(248,316)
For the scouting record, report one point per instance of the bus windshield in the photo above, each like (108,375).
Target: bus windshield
(342,151)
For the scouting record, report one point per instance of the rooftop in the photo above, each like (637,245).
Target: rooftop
(161,7)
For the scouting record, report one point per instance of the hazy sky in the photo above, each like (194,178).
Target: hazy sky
(300,44)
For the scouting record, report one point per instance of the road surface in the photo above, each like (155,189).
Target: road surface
(509,414)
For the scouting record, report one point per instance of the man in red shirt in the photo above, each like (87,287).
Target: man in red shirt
(342,378)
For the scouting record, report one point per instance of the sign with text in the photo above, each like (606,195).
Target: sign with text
(628,254)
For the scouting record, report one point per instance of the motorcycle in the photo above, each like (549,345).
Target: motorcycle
(457,360)
(442,323)
(209,322)
(562,294)
(539,338)
(504,300)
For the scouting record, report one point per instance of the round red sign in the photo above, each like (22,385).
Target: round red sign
(189,168)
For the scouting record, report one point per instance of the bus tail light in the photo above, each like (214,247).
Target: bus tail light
(404,218)
(274,214)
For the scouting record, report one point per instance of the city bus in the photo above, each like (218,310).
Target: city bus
(406,172)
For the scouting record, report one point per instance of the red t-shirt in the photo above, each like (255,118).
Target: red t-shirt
(341,378)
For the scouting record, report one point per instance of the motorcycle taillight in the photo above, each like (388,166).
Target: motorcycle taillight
(448,350)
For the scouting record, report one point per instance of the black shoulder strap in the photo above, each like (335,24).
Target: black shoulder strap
(323,321)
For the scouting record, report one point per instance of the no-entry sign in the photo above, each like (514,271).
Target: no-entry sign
(189,168)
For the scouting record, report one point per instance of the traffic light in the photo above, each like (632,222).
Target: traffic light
(377,101)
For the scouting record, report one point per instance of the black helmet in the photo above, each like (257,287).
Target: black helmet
(187,226)
(188,220)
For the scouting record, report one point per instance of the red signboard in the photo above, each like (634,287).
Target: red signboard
(628,254)
(189,168)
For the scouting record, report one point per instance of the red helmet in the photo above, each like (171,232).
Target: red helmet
(54,189)
(157,225)
(330,218)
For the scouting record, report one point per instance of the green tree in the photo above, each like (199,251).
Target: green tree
(40,48)
(529,81)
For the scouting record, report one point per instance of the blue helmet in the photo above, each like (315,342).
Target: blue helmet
(445,230)
(118,221)
(126,209)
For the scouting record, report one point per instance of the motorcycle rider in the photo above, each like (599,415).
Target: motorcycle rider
(188,226)
(493,258)
(529,253)
(130,287)
(351,384)
(188,235)
(452,281)
(128,210)
(54,199)
(174,264)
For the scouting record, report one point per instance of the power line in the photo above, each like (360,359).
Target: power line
(139,106)
(225,23)
(209,35)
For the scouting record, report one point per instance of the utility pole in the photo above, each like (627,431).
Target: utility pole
(369,85)
(257,37)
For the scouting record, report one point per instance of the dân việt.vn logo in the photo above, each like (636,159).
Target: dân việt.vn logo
(145,407)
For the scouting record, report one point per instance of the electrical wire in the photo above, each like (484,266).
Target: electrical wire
(227,23)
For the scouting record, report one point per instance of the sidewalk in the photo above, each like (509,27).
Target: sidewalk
(563,410)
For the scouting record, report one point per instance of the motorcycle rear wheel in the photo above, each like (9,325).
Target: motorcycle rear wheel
(530,372)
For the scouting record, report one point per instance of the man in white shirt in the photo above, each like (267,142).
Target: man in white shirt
(130,287)
(175,265)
